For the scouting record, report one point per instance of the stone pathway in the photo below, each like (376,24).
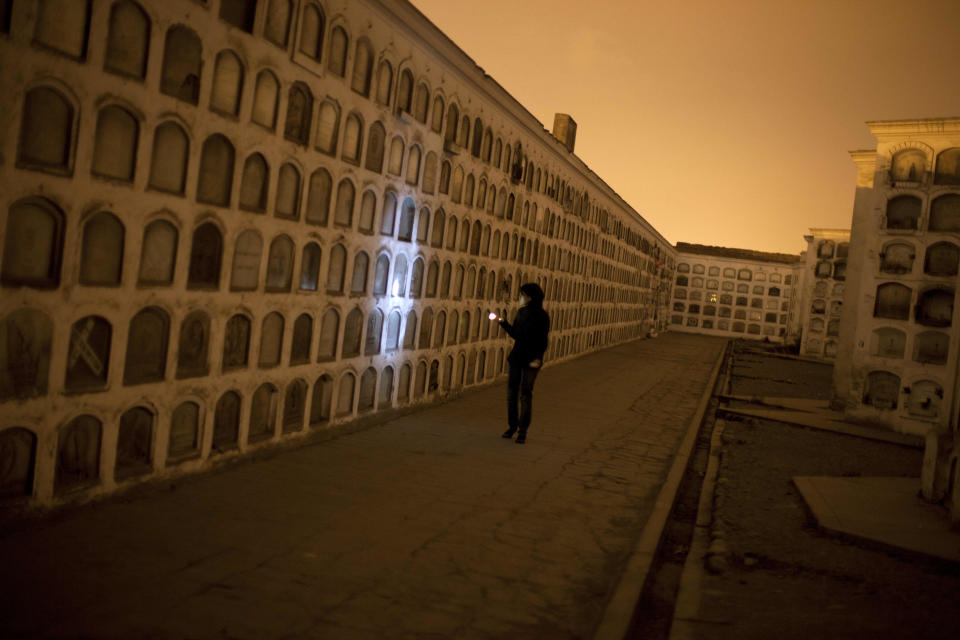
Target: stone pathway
(428,526)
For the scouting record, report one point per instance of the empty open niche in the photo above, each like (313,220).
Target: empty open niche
(935,308)
(930,347)
(945,213)
(903,212)
(948,167)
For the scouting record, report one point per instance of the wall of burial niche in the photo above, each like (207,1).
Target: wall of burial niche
(212,243)
(912,329)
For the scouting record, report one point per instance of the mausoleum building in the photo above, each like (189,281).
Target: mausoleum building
(230,222)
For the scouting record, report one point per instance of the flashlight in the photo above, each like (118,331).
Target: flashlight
(492,316)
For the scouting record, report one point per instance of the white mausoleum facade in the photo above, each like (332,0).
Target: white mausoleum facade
(819,300)
(231,223)
(898,357)
(733,292)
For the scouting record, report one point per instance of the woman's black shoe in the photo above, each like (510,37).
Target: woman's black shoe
(521,438)
(508,433)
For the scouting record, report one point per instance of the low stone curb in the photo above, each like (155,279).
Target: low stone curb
(619,611)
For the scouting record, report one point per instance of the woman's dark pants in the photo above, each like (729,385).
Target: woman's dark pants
(520,391)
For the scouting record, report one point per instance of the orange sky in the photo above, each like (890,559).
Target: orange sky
(721,121)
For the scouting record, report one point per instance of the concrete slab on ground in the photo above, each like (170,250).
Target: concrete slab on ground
(809,414)
(428,526)
(884,510)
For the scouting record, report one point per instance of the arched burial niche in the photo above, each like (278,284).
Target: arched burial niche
(254,183)
(25,338)
(892,301)
(115,144)
(294,406)
(226,423)
(205,254)
(184,440)
(101,258)
(280,265)
(236,342)
(227,83)
(942,259)
(134,444)
(903,212)
(945,213)
(908,165)
(146,358)
(897,257)
(935,308)
(345,390)
(930,347)
(265,94)
(924,398)
(386,388)
(302,336)
(246,261)
(263,413)
(888,342)
(33,244)
(216,171)
(321,400)
(882,390)
(352,329)
(192,360)
(78,454)
(329,331)
(310,267)
(168,164)
(46,131)
(239,13)
(368,390)
(277,25)
(62,26)
(299,112)
(89,354)
(128,40)
(180,76)
(18,451)
(158,254)
(948,167)
(271,340)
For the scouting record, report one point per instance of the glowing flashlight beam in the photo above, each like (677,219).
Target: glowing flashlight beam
(492,316)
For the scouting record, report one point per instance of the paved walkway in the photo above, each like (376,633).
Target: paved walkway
(428,526)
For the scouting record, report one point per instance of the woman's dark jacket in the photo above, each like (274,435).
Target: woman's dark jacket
(529,330)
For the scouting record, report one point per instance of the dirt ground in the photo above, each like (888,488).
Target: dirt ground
(787,579)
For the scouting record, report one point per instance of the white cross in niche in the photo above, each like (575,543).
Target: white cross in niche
(82,349)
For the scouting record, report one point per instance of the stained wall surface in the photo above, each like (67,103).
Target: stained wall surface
(898,350)
(228,223)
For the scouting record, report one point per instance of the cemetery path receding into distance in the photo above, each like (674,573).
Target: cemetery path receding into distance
(429,525)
